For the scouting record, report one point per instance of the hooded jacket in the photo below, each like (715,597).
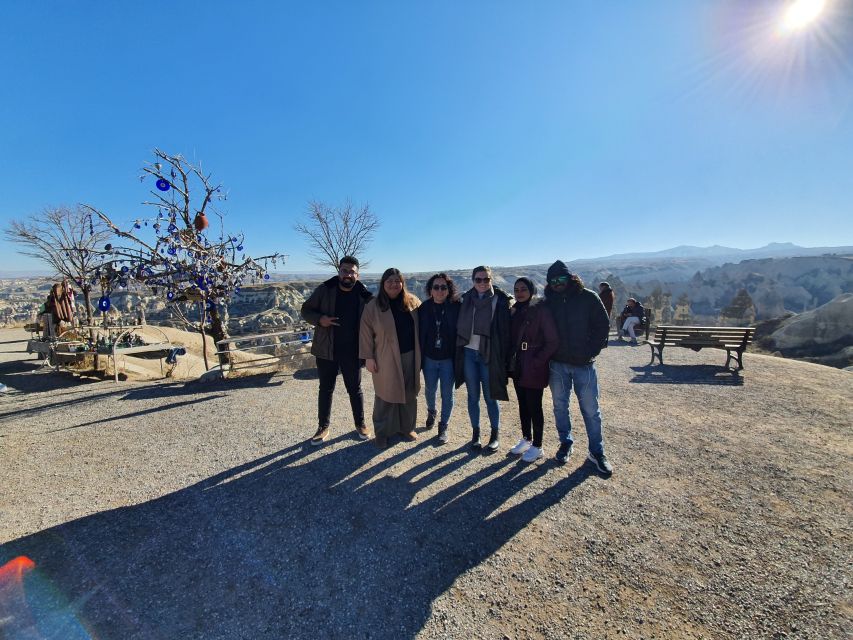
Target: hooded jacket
(581,319)
(322,303)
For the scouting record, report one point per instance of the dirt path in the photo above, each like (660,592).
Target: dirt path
(171,510)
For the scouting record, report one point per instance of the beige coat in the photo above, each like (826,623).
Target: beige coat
(378,341)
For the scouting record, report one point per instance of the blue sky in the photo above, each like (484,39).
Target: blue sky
(503,133)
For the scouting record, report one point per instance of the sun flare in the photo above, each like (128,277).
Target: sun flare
(802,13)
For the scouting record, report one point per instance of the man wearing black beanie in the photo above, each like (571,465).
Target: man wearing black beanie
(583,325)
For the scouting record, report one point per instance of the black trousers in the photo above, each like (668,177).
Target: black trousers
(530,413)
(350,369)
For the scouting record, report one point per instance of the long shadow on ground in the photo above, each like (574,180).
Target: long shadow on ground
(687,374)
(338,545)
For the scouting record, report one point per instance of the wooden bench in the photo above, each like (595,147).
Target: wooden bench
(271,348)
(734,340)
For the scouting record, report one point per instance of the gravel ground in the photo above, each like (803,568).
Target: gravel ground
(172,510)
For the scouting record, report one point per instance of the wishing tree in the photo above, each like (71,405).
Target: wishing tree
(68,240)
(171,251)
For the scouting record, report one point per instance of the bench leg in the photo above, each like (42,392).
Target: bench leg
(737,357)
(659,354)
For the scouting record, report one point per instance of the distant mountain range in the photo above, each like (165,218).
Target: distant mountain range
(728,254)
(701,257)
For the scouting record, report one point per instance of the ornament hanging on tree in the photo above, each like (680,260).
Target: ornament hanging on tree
(104,303)
(200,222)
(163,184)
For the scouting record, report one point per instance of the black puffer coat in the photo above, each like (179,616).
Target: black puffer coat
(582,324)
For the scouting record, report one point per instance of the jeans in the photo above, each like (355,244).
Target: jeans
(476,375)
(629,325)
(436,371)
(585,380)
(350,368)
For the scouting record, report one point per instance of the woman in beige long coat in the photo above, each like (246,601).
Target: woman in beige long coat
(389,345)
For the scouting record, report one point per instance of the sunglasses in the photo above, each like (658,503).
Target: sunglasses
(482,280)
(560,280)
(439,287)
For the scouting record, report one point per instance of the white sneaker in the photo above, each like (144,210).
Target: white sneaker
(532,454)
(520,447)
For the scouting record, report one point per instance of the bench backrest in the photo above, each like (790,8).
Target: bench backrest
(704,336)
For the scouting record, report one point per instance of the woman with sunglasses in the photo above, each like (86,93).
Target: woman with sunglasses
(388,344)
(482,351)
(534,341)
(437,317)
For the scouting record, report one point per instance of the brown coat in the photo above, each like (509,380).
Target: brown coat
(377,340)
(322,303)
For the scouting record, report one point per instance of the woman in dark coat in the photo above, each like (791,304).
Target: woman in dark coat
(482,352)
(437,317)
(606,295)
(534,341)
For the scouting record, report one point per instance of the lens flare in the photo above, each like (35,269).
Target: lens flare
(802,13)
(14,612)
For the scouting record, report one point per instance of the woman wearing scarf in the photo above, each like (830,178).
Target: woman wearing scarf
(482,351)
(388,343)
(534,341)
(438,316)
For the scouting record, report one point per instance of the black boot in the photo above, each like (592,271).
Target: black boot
(494,441)
(475,440)
(442,432)
(430,423)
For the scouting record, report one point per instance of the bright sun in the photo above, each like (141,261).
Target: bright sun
(801,13)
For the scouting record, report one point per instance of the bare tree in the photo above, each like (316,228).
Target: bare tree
(195,274)
(68,240)
(333,233)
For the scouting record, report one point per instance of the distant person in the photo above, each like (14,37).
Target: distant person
(632,315)
(534,340)
(582,327)
(437,318)
(483,350)
(606,295)
(388,343)
(335,309)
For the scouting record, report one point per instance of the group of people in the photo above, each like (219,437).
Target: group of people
(482,338)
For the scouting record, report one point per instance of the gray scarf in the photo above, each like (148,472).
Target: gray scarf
(476,313)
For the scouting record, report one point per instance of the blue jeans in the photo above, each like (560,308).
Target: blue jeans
(585,380)
(477,375)
(435,371)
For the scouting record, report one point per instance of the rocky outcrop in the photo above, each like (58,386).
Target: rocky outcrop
(823,335)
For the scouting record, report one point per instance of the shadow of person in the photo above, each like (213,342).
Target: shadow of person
(304,543)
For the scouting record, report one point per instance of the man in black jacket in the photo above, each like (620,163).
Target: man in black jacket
(335,310)
(583,325)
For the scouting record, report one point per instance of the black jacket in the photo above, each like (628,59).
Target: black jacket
(637,311)
(426,319)
(322,303)
(582,324)
(500,349)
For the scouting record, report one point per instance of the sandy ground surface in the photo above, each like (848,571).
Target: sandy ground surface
(168,509)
